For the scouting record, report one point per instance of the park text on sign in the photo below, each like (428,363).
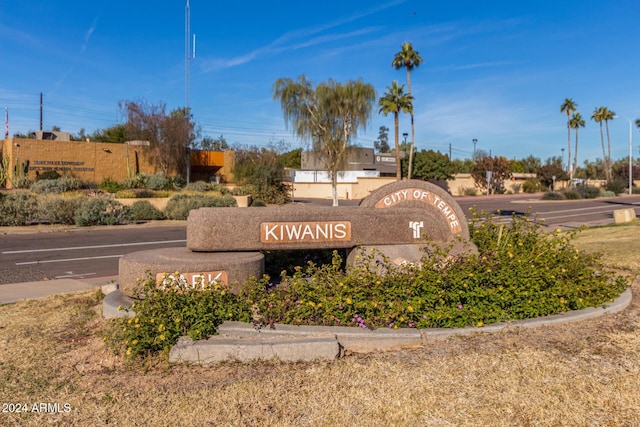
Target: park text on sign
(417,194)
(192,280)
(303,232)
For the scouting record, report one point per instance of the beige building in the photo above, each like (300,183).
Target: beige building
(94,161)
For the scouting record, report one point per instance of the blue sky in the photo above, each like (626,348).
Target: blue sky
(496,71)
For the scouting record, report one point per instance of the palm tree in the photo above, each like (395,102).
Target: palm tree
(598,117)
(576,122)
(396,101)
(608,115)
(568,107)
(329,116)
(409,59)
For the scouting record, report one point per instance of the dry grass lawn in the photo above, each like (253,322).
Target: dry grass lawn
(581,374)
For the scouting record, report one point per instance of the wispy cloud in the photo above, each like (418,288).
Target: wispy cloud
(89,33)
(299,39)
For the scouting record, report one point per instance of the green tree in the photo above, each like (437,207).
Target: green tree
(531,164)
(116,133)
(261,172)
(211,144)
(608,115)
(553,167)
(429,164)
(382,143)
(603,114)
(408,58)
(396,101)
(291,159)
(568,107)
(492,182)
(461,166)
(170,135)
(576,123)
(329,116)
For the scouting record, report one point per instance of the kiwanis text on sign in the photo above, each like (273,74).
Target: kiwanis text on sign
(285,232)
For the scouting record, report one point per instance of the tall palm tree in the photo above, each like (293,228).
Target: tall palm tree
(568,107)
(608,115)
(598,117)
(396,101)
(409,59)
(329,116)
(576,122)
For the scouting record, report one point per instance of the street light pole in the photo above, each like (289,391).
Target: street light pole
(630,155)
(475,141)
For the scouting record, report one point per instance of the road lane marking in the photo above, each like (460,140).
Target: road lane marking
(93,247)
(71,276)
(67,260)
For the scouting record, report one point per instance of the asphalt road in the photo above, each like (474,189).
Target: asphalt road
(37,253)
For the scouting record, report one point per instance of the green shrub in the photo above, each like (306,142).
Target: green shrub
(167,311)
(607,193)
(531,186)
(59,185)
(19,208)
(176,182)
(572,195)
(219,188)
(60,210)
(158,182)
(127,193)
(21,182)
(470,191)
(520,272)
(48,175)
(588,191)
(257,203)
(110,186)
(135,193)
(552,195)
(143,210)
(102,211)
(197,186)
(179,205)
(616,186)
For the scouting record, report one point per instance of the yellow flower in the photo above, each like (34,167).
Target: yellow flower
(134,342)
(129,351)
(119,308)
(348,300)
(161,337)
(410,309)
(480,324)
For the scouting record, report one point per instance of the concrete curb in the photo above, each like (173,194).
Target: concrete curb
(238,341)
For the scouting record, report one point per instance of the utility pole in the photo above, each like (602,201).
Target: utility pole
(40,110)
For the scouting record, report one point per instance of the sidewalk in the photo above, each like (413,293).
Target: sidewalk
(15,292)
